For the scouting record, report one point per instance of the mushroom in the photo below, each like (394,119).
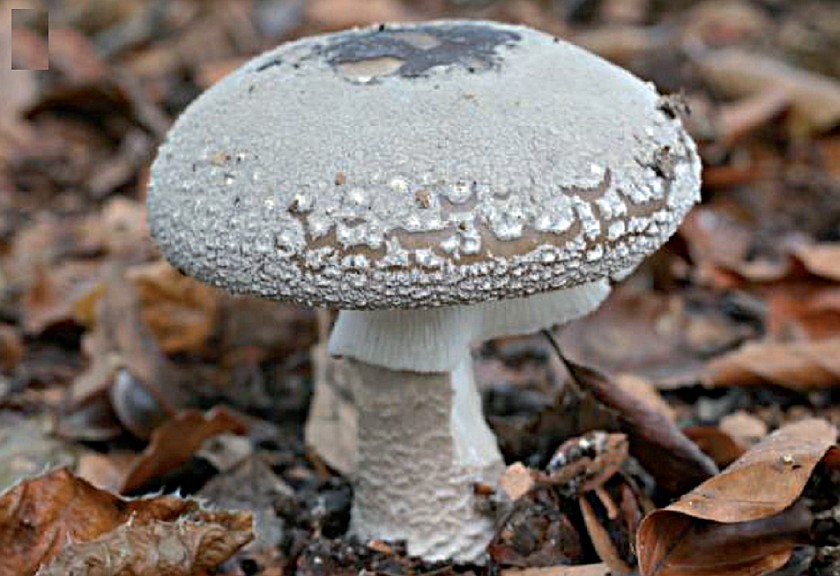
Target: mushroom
(439,183)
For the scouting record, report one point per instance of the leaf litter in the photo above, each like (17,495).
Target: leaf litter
(720,352)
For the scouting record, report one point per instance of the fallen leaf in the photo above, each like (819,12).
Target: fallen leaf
(742,521)
(735,72)
(49,301)
(516,481)
(796,365)
(740,118)
(621,44)
(181,312)
(338,14)
(332,422)
(126,361)
(253,485)
(744,427)
(659,445)
(105,471)
(716,444)
(176,440)
(601,541)
(73,56)
(642,389)
(585,463)
(725,22)
(11,348)
(40,516)
(537,532)
(662,338)
(821,259)
(195,544)
(806,310)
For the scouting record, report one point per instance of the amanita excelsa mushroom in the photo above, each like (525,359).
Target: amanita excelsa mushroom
(440,183)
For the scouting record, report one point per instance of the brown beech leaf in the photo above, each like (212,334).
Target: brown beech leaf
(179,311)
(656,442)
(742,521)
(40,515)
(176,440)
(580,570)
(794,365)
(195,543)
(716,444)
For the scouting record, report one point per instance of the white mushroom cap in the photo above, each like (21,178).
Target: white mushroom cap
(420,165)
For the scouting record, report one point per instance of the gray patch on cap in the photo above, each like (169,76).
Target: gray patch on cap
(414,52)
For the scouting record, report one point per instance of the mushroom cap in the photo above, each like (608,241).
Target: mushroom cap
(420,165)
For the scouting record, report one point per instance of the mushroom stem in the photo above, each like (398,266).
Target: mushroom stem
(423,443)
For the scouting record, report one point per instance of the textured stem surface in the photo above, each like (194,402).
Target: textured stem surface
(423,443)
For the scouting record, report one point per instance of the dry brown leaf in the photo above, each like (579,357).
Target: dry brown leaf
(176,440)
(536,533)
(621,44)
(194,544)
(796,365)
(674,460)
(11,348)
(806,310)
(585,462)
(40,515)
(181,312)
(332,423)
(743,117)
(815,99)
(744,427)
(716,444)
(822,259)
(642,389)
(50,300)
(338,14)
(516,481)
(601,541)
(123,350)
(582,570)
(644,334)
(743,520)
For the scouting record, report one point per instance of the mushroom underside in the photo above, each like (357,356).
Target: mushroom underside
(435,339)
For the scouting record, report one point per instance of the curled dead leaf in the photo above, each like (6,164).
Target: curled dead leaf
(716,444)
(181,312)
(191,545)
(744,520)
(659,445)
(176,440)
(41,515)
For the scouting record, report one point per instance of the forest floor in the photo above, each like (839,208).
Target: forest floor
(119,377)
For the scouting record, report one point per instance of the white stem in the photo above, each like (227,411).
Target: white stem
(423,443)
